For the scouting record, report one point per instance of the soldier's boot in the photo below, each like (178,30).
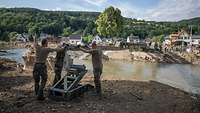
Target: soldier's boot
(98,91)
(40,95)
(36,88)
(42,86)
(98,86)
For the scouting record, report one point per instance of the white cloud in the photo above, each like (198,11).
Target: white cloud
(125,11)
(47,9)
(96,2)
(174,10)
(55,9)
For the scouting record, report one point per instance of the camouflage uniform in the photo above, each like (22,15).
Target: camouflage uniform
(40,69)
(97,67)
(58,66)
(40,74)
(97,81)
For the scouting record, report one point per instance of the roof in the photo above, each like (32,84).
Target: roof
(195,36)
(166,37)
(75,37)
(174,35)
(132,38)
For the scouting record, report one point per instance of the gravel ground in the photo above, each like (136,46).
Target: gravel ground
(16,96)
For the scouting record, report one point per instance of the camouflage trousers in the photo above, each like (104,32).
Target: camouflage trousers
(97,75)
(40,78)
(58,71)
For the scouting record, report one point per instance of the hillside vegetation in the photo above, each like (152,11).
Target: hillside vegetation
(35,21)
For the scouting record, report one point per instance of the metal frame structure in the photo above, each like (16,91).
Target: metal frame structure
(69,86)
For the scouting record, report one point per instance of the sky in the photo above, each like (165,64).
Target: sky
(154,10)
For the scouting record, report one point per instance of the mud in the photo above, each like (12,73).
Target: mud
(119,96)
(7,65)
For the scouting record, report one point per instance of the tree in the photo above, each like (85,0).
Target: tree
(5,36)
(159,39)
(110,22)
(90,29)
(34,30)
(87,39)
(34,21)
(12,36)
(67,31)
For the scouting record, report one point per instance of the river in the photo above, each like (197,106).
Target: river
(14,54)
(182,76)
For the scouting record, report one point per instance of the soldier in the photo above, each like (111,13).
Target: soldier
(40,68)
(59,65)
(97,66)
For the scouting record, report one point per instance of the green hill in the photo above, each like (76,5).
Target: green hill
(31,20)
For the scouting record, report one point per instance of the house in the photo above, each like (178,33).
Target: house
(181,37)
(184,36)
(133,39)
(75,39)
(64,39)
(173,37)
(107,41)
(148,41)
(118,41)
(53,39)
(195,39)
(22,37)
(167,40)
(97,39)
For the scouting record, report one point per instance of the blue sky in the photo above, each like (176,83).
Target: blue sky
(158,10)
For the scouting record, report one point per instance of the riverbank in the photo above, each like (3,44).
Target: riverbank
(154,57)
(119,96)
(151,56)
(14,45)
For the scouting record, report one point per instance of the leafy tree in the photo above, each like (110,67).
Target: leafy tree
(12,36)
(34,21)
(87,39)
(90,29)
(67,31)
(34,30)
(110,22)
(5,36)
(158,39)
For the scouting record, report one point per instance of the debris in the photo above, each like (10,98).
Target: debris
(138,97)
(69,106)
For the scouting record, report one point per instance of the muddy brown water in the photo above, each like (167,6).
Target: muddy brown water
(182,76)
(13,54)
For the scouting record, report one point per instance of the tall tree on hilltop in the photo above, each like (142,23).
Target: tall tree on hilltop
(110,22)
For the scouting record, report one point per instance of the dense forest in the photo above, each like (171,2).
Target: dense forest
(35,21)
